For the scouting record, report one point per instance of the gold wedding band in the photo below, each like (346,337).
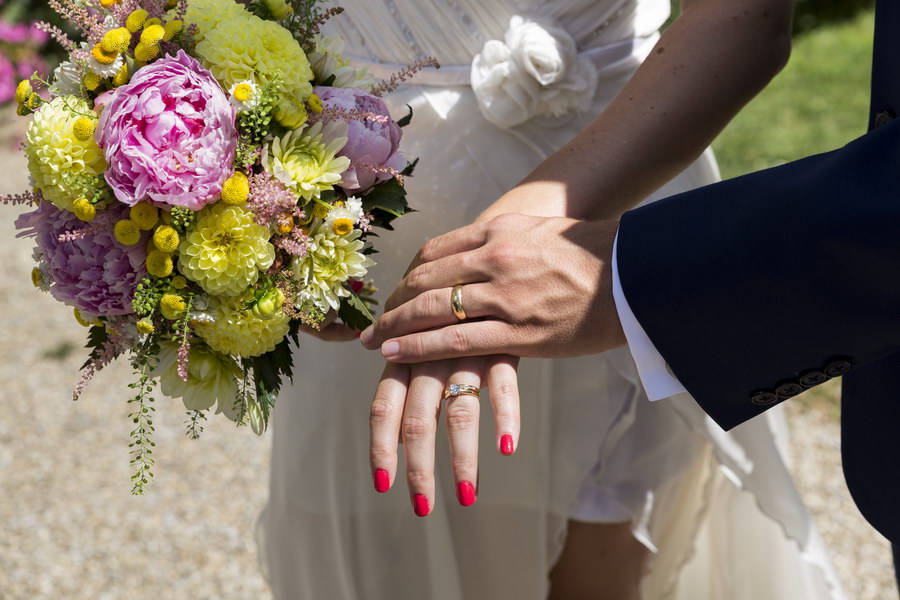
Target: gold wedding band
(456,302)
(461,389)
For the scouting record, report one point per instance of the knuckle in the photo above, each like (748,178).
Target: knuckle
(418,478)
(416,428)
(414,278)
(461,418)
(457,340)
(427,304)
(428,250)
(505,390)
(382,455)
(464,465)
(382,411)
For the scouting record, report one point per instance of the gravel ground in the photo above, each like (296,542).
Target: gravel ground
(69,527)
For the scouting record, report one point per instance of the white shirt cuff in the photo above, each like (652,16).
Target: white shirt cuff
(658,382)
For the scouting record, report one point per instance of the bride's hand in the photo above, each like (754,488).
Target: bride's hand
(407,407)
(331,331)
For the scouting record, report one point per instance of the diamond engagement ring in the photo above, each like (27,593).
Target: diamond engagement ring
(456,302)
(461,389)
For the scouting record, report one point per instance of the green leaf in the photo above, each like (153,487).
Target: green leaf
(354,313)
(389,197)
(407,119)
(97,337)
(410,168)
(270,369)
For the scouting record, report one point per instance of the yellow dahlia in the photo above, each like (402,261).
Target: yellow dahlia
(212,378)
(238,331)
(331,260)
(55,151)
(225,250)
(305,160)
(249,48)
(206,14)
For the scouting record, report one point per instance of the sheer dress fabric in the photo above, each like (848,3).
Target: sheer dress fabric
(718,510)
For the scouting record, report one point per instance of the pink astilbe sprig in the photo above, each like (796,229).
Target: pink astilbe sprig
(73,235)
(336,113)
(105,354)
(57,34)
(90,25)
(184,354)
(296,243)
(269,199)
(386,87)
(121,9)
(19,199)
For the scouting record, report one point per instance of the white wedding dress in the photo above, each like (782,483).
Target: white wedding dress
(719,511)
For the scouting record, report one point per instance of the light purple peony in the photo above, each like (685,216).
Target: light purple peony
(369,142)
(169,135)
(95,274)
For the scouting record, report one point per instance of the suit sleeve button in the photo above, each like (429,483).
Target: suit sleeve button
(763,398)
(836,368)
(813,378)
(788,389)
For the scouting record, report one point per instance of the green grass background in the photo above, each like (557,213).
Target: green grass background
(819,102)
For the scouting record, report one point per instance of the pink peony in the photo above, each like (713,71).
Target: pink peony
(94,273)
(169,135)
(372,145)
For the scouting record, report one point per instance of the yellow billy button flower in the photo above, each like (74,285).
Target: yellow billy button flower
(170,4)
(159,264)
(83,128)
(145,326)
(108,3)
(84,210)
(127,232)
(320,211)
(284,224)
(145,215)
(342,226)
(172,306)
(37,278)
(152,34)
(136,20)
(166,238)
(122,77)
(33,101)
(172,28)
(179,282)
(23,91)
(144,53)
(116,40)
(153,21)
(315,103)
(279,9)
(236,189)
(102,56)
(91,81)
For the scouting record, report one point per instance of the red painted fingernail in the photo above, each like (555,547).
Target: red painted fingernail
(465,493)
(506,444)
(382,481)
(420,505)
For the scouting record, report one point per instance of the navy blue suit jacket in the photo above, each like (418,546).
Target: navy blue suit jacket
(759,287)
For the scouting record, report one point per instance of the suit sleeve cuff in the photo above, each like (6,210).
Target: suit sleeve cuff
(658,382)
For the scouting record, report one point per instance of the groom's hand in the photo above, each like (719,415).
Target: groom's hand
(532,286)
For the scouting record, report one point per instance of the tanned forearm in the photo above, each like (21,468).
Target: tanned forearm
(708,64)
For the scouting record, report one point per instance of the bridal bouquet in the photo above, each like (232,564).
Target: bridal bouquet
(206,178)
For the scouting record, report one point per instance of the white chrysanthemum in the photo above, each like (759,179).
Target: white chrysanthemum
(350,210)
(244,95)
(212,378)
(66,79)
(328,59)
(55,152)
(305,159)
(331,260)
(236,331)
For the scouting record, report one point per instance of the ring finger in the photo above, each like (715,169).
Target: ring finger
(463,414)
